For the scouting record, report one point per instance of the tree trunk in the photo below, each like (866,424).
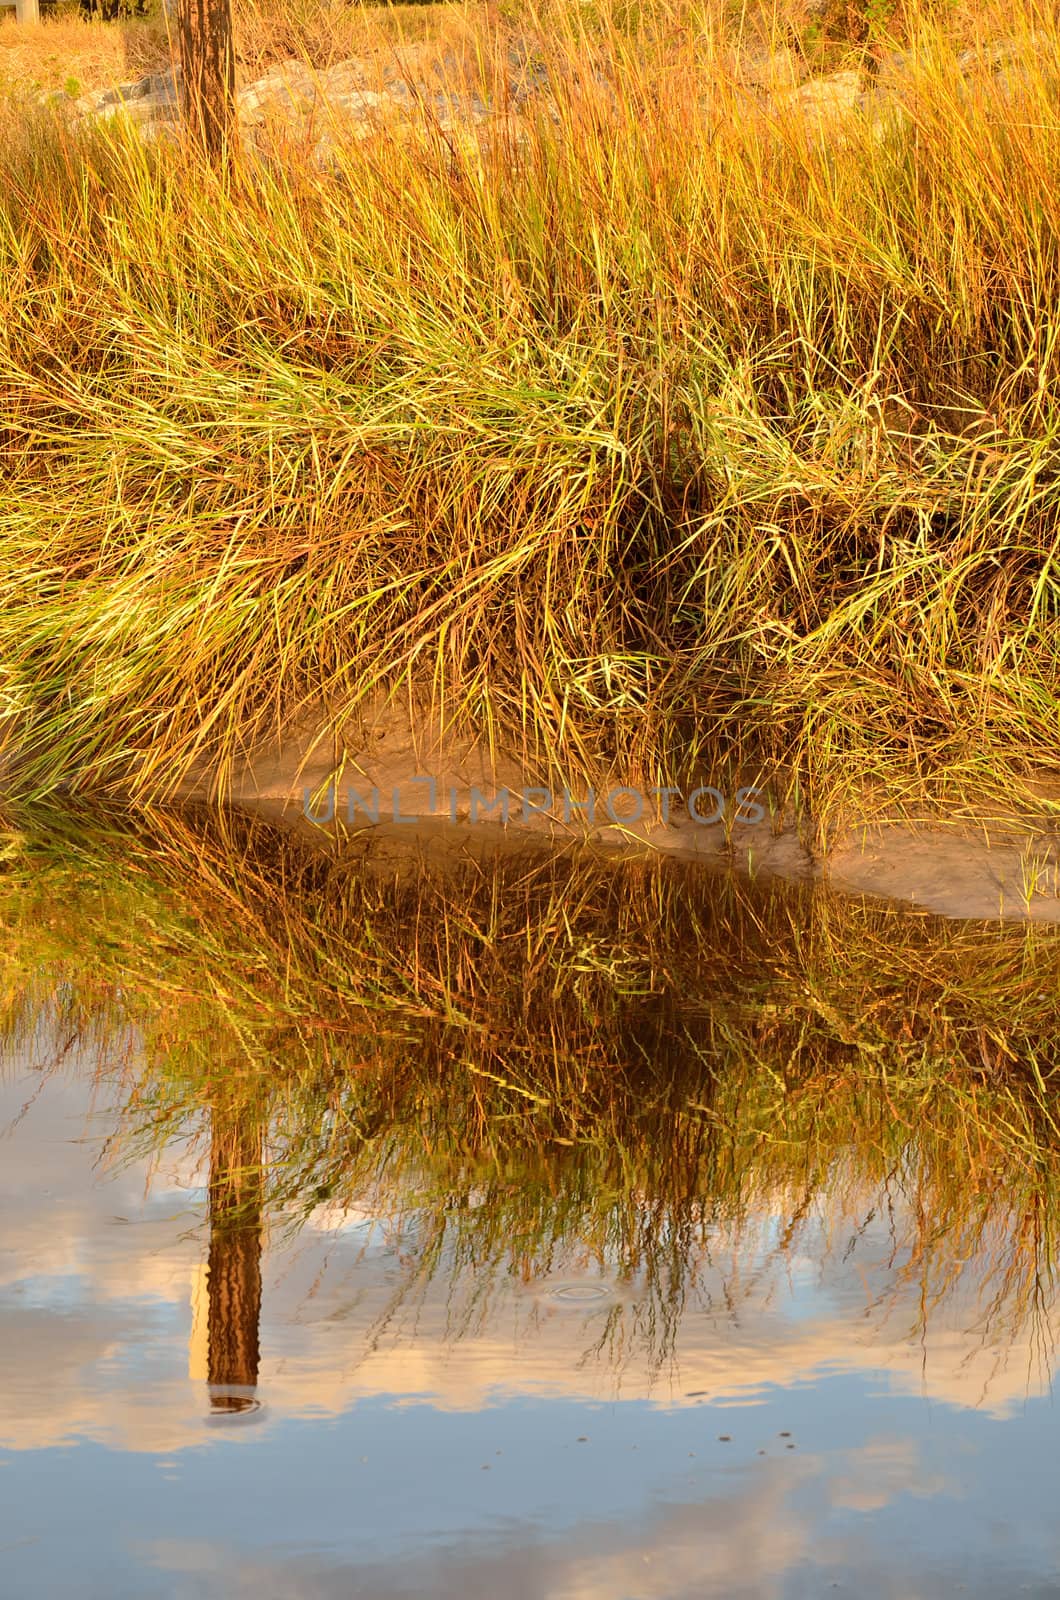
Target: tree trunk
(208,74)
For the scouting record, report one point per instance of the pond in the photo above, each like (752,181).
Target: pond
(427,1221)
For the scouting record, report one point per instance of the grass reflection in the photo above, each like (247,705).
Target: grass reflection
(528,1061)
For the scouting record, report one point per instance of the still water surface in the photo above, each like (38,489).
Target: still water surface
(271,1327)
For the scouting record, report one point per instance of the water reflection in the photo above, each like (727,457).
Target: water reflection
(233,1272)
(606,1212)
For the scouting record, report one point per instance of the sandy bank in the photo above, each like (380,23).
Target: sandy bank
(393,777)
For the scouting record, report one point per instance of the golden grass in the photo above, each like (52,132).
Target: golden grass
(658,429)
(69,52)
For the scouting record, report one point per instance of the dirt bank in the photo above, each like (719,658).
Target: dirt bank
(389,773)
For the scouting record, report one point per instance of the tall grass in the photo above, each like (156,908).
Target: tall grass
(659,426)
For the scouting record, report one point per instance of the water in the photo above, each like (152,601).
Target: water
(696,1242)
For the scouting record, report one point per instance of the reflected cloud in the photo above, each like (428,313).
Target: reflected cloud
(743,1543)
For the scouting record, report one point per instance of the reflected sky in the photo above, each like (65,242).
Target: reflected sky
(451,1434)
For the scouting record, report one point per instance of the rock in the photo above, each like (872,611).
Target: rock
(123,92)
(146,108)
(773,70)
(155,95)
(1003,53)
(362,105)
(157,85)
(345,77)
(827,99)
(164,83)
(287,89)
(527,79)
(293,75)
(86,105)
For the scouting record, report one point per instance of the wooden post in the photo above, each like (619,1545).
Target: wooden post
(27,11)
(233,1279)
(208,74)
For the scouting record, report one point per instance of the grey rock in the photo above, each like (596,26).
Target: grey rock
(775,69)
(272,96)
(143,109)
(163,83)
(292,74)
(86,105)
(122,93)
(360,104)
(344,78)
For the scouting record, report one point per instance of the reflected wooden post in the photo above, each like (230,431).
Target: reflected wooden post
(233,1273)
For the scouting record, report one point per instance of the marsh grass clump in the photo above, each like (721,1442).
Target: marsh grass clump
(662,423)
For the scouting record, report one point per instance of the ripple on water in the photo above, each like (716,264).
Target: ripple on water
(233,1404)
(577,1295)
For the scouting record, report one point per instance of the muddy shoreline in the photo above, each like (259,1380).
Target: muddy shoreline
(392,778)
